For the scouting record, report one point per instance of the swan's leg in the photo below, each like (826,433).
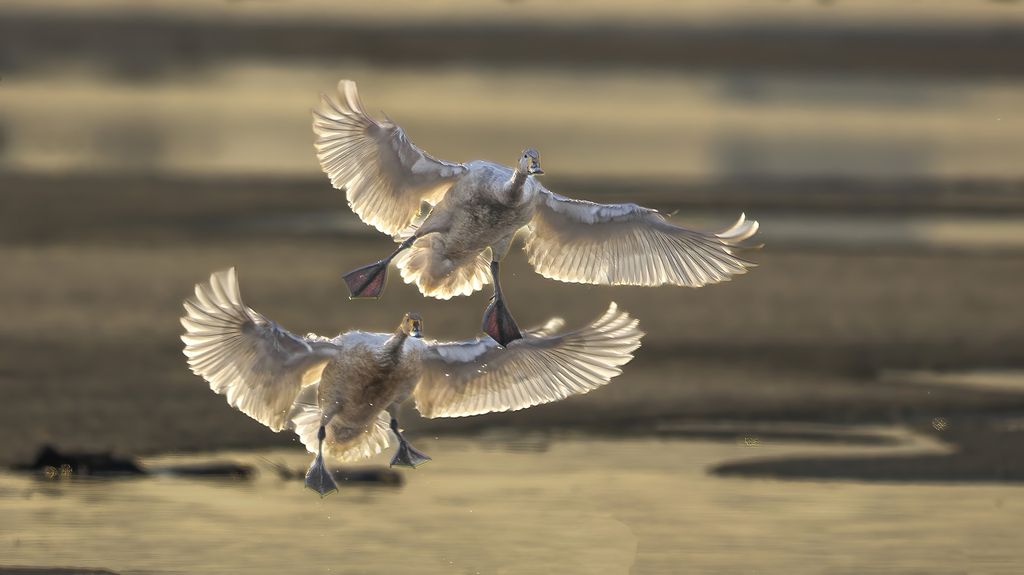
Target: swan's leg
(498,322)
(318,478)
(368,281)
(406,455)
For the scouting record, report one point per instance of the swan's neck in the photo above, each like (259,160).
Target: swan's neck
(515,185)
(391,351)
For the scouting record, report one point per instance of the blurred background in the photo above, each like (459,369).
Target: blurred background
(853,405)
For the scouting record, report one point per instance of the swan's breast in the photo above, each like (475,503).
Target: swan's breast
(357,385)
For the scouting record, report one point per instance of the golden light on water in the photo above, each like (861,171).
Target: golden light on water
(158,141)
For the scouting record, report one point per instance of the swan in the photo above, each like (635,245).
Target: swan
(341,395)
(479,206)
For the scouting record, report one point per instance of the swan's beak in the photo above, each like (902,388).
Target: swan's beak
(535,169)
(416,330)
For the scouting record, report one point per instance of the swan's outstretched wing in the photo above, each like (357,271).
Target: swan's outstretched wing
(256,363)
(477,376)
(384,175)
(626,244)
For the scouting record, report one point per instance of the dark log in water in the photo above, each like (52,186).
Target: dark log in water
(54,464)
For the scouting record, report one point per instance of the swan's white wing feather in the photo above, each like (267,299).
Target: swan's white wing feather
(258,365)
(478,376)
(384,175)
(626,244)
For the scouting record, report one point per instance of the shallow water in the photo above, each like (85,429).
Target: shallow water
(533,505)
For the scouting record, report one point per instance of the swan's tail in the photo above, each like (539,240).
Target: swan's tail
(341,442)
(319,479)
(437,275)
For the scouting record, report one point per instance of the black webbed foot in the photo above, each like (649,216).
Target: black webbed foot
(408,456)
(499,324)
(319,479)
(367,281)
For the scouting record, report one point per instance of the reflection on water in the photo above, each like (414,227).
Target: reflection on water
(561,506)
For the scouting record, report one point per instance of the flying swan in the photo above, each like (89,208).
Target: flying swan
(478,207)
(341,395)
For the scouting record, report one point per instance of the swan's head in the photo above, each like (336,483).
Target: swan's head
(529,163)
(412,325)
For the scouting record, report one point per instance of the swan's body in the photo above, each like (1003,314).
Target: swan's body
(483,209)
(481,205)
(368,373)
(341,394)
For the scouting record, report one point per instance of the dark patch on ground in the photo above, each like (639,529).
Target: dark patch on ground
(52,463)
(139,47)
(53,571)
(986,450)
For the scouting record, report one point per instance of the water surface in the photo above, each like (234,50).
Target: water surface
(529,505)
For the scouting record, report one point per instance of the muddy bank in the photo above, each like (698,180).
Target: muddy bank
(982,449)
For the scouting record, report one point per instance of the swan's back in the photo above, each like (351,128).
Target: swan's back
(491,169)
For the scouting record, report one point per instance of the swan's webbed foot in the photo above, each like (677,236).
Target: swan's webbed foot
(499,324)
(406,455)
(367,281)
(319,479)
